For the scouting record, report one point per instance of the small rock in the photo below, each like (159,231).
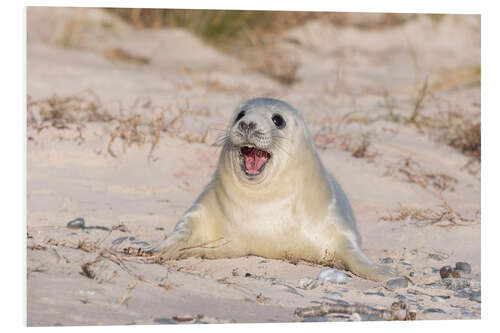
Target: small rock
(386,260)
(396,283)
(141,243)
(307,283)
(445,271)
(333,275)
(434,310)
(437,299)
(334,295)
(235,272)
(469,293)
(476,298)
(435,256)
(77,223)
(469,315)
(368,293)
(454,284)
(400,297)
(463,266)
(416,274)
(119,240)
(292,290)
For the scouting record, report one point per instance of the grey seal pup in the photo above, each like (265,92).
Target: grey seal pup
(271,196)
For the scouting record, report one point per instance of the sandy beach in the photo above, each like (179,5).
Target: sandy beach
(122,132)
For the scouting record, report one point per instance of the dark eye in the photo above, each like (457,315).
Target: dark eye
(240,115)
(279,121)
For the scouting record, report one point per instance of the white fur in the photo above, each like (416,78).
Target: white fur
(293,209)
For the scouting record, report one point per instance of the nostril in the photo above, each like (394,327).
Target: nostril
(252,125)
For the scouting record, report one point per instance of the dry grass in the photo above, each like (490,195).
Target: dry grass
(58,112)
(443,216)
(130,127)
(466,137)
(459,130)
(222,26)
(411,171)
(357,145)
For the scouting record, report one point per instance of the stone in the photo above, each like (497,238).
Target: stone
(333,275)
(307,283)
(77,223)
(463,266)
(396,283)
(445,272)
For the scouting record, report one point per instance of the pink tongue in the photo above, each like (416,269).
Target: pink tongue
(254,160)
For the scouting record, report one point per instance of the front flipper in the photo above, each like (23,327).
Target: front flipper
(195,236)
(171,247)
(358,263)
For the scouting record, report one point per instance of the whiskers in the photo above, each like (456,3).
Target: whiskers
(278,142)
(271,139)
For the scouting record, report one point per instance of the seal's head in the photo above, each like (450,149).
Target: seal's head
(261,138)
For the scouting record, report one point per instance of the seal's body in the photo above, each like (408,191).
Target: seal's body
(271,196)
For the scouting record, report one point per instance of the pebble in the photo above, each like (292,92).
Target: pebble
(368,293)
(416,274)
(141,243)
(307,283)
(404,263)
(396,283)
(77,223)
(333,275)
(291,289)
(119,240)
(400,297)
(476,298)
(435,256)
(437,299)
(469,315)
(469,293)
(463,266)
(434,310)
(455,284)
(386,260)
(334,294)
(445,272)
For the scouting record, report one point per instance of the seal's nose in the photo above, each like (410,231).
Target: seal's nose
(247,126)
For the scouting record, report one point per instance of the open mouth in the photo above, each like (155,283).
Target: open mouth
(254,160)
